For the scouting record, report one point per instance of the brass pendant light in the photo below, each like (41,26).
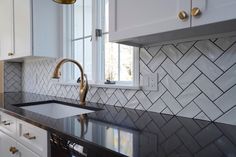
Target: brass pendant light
(65,1)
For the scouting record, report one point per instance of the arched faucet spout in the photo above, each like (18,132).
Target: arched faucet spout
(83,83)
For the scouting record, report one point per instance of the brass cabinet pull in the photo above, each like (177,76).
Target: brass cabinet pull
(13,150)
(27,135)
(10,54)
(195,11)
(5,122)
(182,15)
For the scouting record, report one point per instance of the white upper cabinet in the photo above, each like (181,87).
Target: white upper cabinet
(132,18)
(212,11)
(30,28)
(6,28)
(22,28)
(139,22)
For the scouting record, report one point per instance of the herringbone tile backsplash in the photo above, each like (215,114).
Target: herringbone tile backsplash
(197,79)
(12,77)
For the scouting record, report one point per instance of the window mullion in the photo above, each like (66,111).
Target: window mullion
(83,36)
(119,62)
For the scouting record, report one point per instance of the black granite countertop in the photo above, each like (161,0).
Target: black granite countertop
(131,132)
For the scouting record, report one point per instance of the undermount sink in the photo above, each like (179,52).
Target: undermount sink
(56,110)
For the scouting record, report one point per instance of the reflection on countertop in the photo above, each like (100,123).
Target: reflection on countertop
(132,132)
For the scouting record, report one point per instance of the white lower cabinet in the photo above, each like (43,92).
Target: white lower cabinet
(11,148)
(25,152)
(21,139)
(6,143)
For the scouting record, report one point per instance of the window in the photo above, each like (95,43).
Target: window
(100,59)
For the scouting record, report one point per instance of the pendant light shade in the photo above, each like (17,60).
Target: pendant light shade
(65,1)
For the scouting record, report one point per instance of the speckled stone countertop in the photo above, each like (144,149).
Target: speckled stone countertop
(129,132)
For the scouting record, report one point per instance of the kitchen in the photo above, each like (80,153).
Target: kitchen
(137,78)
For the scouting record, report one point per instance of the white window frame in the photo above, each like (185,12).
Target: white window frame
(98,65)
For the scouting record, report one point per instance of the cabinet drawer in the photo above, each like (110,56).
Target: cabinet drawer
(33,137)
(8,124)
(25,152)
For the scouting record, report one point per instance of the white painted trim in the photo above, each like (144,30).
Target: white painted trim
(113,86)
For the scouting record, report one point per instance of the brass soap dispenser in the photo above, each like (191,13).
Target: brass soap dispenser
(65,1)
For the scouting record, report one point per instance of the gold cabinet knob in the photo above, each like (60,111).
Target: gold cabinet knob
(13,150)
(195,11)
(10,54)
(182,15)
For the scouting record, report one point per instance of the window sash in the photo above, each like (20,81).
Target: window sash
(98,56)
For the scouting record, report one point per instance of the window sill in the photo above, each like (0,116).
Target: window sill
(116,86)
(119,86)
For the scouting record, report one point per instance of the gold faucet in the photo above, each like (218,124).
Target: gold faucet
(83,83)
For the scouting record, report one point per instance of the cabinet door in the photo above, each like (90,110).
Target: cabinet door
(134,18)
(5,144)
(6,28)
(213,11)
(25,152)
(23,29)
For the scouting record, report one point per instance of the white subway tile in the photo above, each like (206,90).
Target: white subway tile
(227,100)
(171,69)
(170,84)
(189,58)
(188,77)
(227,80)
(208,68)
(209,49)
(211,90)
(208,107)
(170,101)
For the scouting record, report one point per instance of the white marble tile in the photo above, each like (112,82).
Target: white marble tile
(145,56)
(211,90)
(144,70)
(188,77)
(228,118)
(226,42)
(161,73)
(120,96)
(190,111)
(173,53)
(129,93)
(102,95)
(209,49)
(146,103)
(208,68)
(170,101)
(167,111)
(110,91)
(202,116)
(188,59)
(156,61)
(112,100)
(227,80)
(171,69)
(132,103)
(153,50)
(158,106)
(172,87)
(227,59)
(185,46)
(188,95)
(227,100)
(154,95)
(208,107)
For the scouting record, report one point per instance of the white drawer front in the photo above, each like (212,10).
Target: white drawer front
(33,137)
(8,124)
(25,152)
